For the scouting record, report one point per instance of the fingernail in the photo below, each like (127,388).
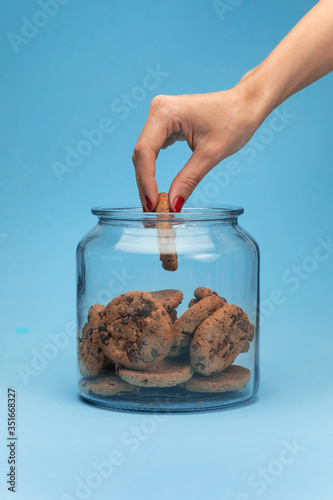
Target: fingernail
(143,209)
(149,204)
(178,204)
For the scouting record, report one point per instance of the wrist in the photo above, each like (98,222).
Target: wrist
(261,95)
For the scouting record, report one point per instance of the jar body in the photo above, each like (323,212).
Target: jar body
(121,255)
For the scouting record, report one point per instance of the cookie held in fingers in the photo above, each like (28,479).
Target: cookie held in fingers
(233,378)
(91,356)
(189,321)
(106,385)
(136,330)
(169,261)
(168,373)
(219,339)
(163,205)
(166,235)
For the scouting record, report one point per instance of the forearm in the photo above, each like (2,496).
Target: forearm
(302,57)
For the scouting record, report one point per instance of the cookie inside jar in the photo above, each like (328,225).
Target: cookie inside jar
(137,344)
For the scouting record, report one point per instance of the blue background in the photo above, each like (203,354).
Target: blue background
(65,79)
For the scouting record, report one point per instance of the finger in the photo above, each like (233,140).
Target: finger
(158,127)
(144,162)
(188,178)
(142,198)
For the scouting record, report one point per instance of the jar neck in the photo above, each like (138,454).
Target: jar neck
(172,222)
(227,215)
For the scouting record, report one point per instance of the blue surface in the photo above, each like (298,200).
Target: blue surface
(69,77)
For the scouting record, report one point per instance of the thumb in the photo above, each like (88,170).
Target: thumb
(188,178)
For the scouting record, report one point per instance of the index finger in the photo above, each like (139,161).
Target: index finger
(156,130)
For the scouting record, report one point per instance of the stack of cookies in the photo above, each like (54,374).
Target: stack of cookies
(137,342)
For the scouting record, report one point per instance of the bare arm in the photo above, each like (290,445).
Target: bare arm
(301,58)
(217,125)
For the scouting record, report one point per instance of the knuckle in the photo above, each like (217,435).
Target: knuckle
(169,108)
(162,103)
(140,151)
(157,100)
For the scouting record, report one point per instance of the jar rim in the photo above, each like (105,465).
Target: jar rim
(188,213)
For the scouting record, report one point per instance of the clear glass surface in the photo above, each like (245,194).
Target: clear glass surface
(121,254)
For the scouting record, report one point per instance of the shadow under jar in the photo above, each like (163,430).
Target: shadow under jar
(168,310)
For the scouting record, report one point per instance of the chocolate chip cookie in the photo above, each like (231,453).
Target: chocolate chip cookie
(219,339)
(106,385)
(163,203)
(199,294)
(91,355)
(166,235)
(245,348)
(170,298)
(192,302)
(94,315)
(233,378)
(185,326)
(168,373)
(136,330)
(202,292)
(173,315)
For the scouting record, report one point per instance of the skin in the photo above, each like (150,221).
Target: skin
(218,124)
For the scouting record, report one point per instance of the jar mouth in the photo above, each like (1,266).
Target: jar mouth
(188,213)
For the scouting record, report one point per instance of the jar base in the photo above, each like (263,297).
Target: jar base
(174,403)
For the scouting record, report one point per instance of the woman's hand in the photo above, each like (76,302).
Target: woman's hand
(214,125)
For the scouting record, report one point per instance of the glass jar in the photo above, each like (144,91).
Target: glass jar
(145,341)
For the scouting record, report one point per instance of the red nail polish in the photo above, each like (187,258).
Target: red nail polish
(178,204)
(143,209)
(149,204)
